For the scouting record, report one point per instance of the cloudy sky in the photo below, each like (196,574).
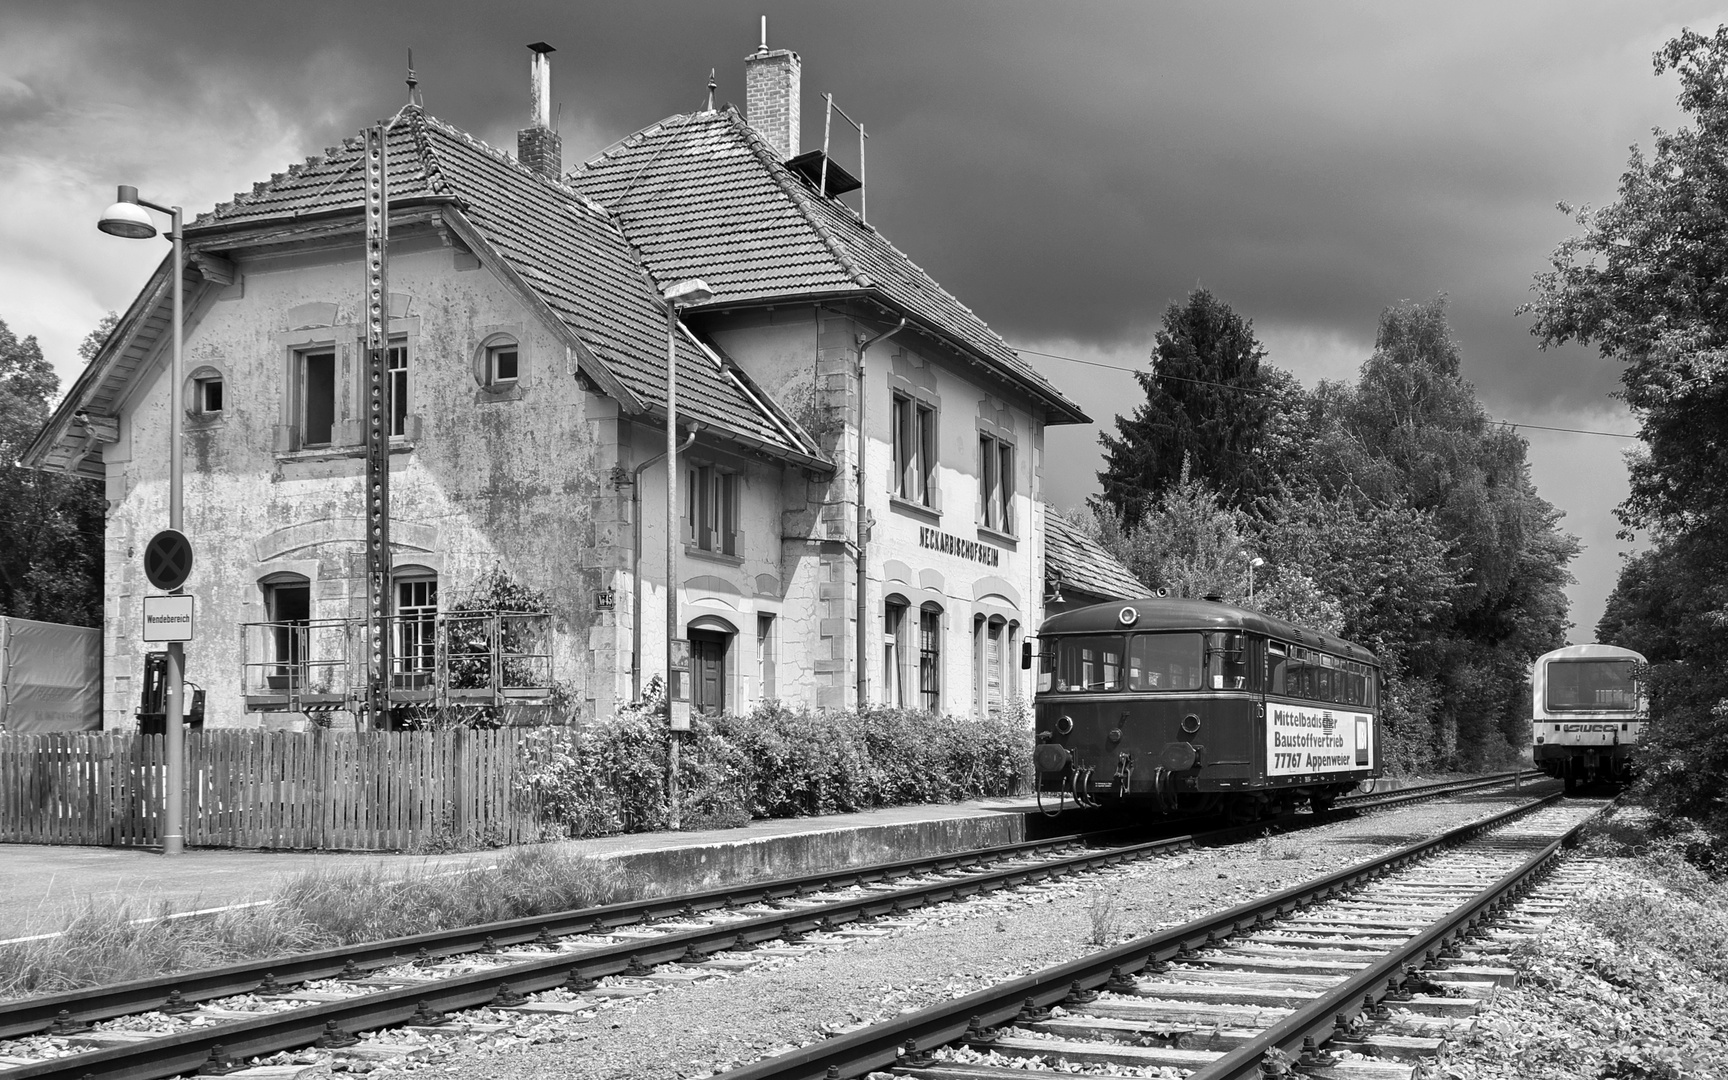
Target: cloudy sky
(1066,169)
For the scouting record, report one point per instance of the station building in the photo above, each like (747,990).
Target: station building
(861,465)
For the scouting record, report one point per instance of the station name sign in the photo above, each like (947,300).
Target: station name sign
(937,540)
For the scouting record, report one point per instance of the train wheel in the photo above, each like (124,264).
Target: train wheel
(1322,804)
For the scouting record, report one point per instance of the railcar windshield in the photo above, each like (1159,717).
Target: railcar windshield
(1106,663)
(1166,662)
(1580,685)
(1092,663)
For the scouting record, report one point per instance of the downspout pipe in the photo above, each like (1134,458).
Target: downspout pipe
(863,520)
(636,561)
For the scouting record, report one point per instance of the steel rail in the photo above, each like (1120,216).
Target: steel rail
(1320,1019)
(881,1045)
(290,1029)
(1438,789)
(27,1016)
(268,1033)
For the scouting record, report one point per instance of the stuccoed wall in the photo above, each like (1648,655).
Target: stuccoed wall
(509,480)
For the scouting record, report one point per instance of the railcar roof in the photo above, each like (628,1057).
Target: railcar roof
(1175,614)
(1591,652)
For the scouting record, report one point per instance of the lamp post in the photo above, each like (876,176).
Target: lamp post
(128,218)
(681,295)
(1252,563)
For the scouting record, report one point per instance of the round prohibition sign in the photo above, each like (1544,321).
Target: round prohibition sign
(168,560)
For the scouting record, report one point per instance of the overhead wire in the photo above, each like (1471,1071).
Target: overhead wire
(1255,390)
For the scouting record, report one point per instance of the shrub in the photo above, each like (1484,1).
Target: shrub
(593,778)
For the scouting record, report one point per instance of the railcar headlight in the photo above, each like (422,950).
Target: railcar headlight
(1190,724)
(1064,724)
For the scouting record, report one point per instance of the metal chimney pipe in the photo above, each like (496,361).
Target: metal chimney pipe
(540,84)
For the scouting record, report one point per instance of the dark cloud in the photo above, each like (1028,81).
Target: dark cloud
(1066,169)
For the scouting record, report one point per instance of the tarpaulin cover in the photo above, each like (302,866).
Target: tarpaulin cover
(50,676)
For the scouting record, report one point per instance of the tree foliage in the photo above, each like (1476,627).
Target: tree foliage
(1211,406)
(1392,510)
(1646,283)
(51,525)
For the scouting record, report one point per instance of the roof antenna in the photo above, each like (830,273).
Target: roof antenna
(413,81)
(712,86)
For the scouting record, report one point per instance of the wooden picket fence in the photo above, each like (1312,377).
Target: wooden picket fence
(303,791)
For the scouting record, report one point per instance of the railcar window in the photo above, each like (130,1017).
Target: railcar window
(1591,684)
(1087,664)
(1277,664)
(1165,662)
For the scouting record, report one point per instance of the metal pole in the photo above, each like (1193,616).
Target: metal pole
(827,125)
(174,738)
(376,292)
(672,539)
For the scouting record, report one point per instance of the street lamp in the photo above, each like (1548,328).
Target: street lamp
(128,218)
(681,295)
(1256,561)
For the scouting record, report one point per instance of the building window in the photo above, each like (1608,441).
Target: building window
(397,367)
(711,509)
(995,683)
(288,606)
(315,396)
(416,631)
(766,654)
(207,395)
(503,366)
(914,451)
(930,658)
(893,652)
(996,484)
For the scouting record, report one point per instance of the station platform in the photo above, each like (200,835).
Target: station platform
(41,886)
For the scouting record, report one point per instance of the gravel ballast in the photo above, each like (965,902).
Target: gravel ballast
(951,950)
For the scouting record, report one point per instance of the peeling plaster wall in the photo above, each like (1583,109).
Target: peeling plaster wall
(483,479)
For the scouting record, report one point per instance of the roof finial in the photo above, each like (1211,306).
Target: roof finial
(413,81)
(712,86)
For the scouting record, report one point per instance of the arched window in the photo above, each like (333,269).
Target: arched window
(895,651)
(416,618)
(930,657)
(287,611)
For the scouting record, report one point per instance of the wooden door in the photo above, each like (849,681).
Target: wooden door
(708,670)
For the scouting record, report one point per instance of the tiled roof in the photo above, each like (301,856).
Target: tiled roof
(567,249)
(1079,563)
(702,195)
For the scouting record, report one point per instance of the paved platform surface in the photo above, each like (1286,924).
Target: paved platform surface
(41,885)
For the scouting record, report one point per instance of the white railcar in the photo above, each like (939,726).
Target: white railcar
(1589,712)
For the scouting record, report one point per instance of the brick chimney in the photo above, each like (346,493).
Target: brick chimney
(537,145)
(771,88)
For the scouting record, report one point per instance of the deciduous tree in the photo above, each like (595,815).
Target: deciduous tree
(50,525)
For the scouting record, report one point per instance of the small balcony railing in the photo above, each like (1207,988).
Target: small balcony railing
(301,666)
(437,660)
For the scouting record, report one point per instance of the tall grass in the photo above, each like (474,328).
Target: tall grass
(322,909)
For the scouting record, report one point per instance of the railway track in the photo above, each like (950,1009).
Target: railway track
(218,1016)
(1354,976)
